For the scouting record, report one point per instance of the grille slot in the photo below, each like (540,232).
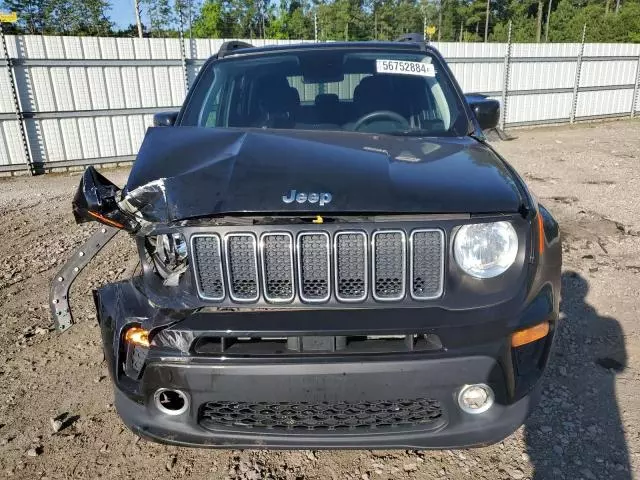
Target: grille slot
(289,266)
(356,417)
(277,267)
(208,262)
(427,263)
(389,265)
(351,266)
(313,266)
(242,267)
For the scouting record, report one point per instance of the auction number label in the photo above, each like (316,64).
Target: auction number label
(405,67)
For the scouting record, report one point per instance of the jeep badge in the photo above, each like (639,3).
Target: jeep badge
(323,198)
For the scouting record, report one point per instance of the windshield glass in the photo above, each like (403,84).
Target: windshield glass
(374,91)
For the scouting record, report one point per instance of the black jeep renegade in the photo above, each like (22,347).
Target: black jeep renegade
(331,256)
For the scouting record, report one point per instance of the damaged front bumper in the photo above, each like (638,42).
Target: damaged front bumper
(289,379)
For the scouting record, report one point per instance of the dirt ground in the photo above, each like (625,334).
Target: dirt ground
(587,425)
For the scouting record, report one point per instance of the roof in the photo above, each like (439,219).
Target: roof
(241,48)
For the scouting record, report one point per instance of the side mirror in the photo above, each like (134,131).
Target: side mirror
(96,200)
(165,119)
(486,110)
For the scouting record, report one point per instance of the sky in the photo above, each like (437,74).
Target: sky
(121,13)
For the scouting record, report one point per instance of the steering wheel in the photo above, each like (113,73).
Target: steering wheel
(381,114)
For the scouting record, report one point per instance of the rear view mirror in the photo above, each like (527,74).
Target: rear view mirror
(96,200)
(486,110)
(165,119)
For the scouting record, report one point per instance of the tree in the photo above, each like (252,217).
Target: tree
(32,14)
(132,31)
(211,22)
(161,17)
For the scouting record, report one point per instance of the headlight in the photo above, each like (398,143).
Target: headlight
(485,250)
(169,255)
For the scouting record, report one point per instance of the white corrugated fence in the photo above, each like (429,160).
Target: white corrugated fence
(88,100)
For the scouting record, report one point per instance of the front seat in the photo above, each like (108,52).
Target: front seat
(276,103)
(378,93)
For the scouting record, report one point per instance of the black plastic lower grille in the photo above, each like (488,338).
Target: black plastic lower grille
(421,413)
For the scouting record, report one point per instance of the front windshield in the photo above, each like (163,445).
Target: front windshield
(373,91)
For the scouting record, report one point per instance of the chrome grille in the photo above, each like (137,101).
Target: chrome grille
(242,267)
(277,267)
(208,257)
(313,266)
(353,266)
(427,257)
(389,265)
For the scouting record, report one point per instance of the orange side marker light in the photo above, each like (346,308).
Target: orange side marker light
(137,336)
(540,234)
(104,219)
(528,335)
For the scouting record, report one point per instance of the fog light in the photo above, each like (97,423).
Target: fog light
(475,398)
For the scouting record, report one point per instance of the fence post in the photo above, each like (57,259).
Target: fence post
(183,51)
(16,103)
(634,99)
(576,85)
(505,81)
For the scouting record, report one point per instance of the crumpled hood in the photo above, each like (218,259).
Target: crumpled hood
(187,172)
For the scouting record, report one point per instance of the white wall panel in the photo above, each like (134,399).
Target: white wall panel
(479,77)
(535,75)
(91,47)
(33,46)
(115,90)
(162,86)
(104,130)
(71,138)
(97,88)
(602,73)
(80,85)
(142,48)
(43,99)
(72,47)
(157,48)
(89,137)
(611,49)
(52,140)
(6,99)
(11,150)
(529,108)
(545,49)
(62,88)
(108,48)
(121,135)
(72,87)
(604,103)
(125,48)
(147,87)
(131,87)
(468,50)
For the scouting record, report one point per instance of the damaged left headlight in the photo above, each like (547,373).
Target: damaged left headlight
(169,255)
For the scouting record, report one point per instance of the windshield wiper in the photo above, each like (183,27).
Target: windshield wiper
(413,132)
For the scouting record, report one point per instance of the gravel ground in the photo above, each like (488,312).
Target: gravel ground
(56,414)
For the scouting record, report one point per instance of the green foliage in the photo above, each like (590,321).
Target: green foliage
(60,17)
(344,19)
(211,21)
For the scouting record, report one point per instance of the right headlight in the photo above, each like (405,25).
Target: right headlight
(169,255)
(486,250)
